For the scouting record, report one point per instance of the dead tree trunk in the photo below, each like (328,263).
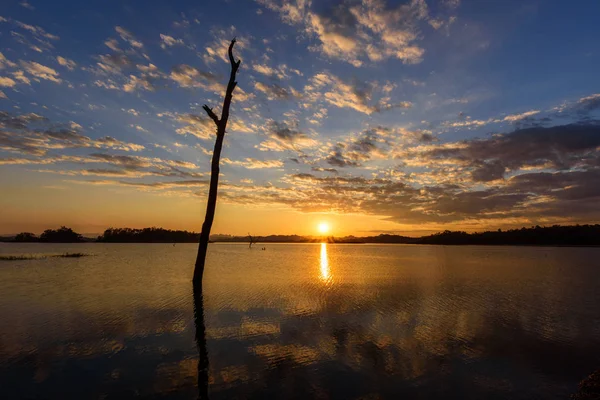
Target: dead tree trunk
(221,124)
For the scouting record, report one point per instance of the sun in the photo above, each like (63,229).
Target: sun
(323,227)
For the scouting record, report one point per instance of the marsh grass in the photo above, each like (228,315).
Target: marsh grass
(42,256)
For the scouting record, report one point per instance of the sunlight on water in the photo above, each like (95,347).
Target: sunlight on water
(425,322)
(325,270)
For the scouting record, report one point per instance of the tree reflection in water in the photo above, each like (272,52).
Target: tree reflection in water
(201,343)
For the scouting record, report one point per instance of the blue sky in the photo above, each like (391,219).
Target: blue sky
(381,116)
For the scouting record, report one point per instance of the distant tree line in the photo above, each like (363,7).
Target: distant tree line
(557,235)
(147,235)
(60,235)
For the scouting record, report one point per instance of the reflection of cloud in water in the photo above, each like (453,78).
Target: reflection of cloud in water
(421,322)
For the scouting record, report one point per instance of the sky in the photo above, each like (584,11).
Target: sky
(372,116)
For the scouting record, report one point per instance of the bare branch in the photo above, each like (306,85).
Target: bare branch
(234,64)
(211,114)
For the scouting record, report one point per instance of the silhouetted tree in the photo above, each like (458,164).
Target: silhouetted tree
(252,241)
(211,205)
(26,237)
(61,235)
(201,342)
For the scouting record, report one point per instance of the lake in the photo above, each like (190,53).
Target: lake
(298,321)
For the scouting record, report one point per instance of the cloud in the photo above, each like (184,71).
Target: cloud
(139,128)
(40,71)
(7,82)
(113,63)
(169,41)
(359,32)
(196,125)
(558,147)
(128,37)
(5,63)
(281,72)
(217,48)
(148,185)
(188,76)
(286,136)
(37,31)
(518,117)
(203,127)
(25,4)
(134,83)
(132,112)
(65,62)
(112,143)
(36,135)
(20,76)
(2,95)
(276,92)
(113,44)
(252,163)
(364,97)
(589,103)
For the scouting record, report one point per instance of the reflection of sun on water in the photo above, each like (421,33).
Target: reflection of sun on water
(325,271)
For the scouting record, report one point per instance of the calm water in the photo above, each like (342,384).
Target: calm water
(299,321)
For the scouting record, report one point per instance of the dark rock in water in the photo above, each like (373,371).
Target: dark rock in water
(589,388)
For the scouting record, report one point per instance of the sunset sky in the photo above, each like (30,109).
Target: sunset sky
(373,116)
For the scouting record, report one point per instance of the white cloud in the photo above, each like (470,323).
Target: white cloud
(4,62)
(65,62)
(252,163)
(276,92)
(358,32)
(20,76)
(140,128)
(518,117)
(364,97)
(137,82)
(109,84)
(113,44)
(40,71)
(188,76)
(282,71)
(132,112)
(25,4)
(128,37)
(7,82)
(169,41)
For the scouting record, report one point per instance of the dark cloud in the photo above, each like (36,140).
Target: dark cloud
(321,169)
(426,138)
(274,91)
(22,121)
(553,177)
(338,158)
(488,171)
(286,136)
(35,135)
(189,71)
(559,147)
(127,162)
(359,149)
(285,132)
(66,135)
(589,103)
